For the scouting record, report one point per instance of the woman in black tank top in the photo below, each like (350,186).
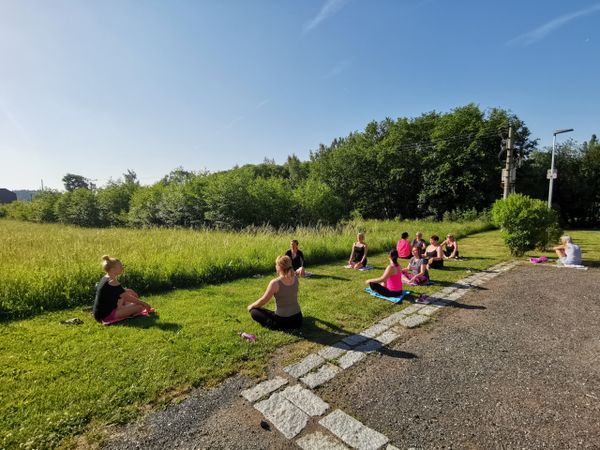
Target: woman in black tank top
(434,254)
(358,257)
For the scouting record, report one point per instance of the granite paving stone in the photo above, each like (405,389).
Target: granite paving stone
(414,321)
(309,363)
(375,330)
(387,337)
(323,375)
(334,351)
(355,339)
(285,416)
(353,432)
(305,400)
(262,389)
(393,319)
(351,358)
(320,441)
(412,308)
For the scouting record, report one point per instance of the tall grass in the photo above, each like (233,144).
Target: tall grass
(49,267)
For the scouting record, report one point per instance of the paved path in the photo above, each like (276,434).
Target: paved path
(510,361)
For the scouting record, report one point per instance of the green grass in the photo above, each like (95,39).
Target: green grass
(51,267)
(57,379)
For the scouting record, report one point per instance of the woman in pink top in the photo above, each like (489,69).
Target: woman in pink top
(390,283)
(403,247)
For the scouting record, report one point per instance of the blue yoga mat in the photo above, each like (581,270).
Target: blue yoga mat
(389,299)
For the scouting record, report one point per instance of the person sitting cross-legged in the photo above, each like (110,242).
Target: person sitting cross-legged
(390,283)
(416,272)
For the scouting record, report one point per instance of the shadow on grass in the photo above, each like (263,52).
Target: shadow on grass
(151,321)
(319,276)
(326,333)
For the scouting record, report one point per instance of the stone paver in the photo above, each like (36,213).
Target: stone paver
(412,308)
(414,321)
(351,358)
(262,389)
(320,441)
(285,416)
(355,339)
(323,375)
(372,345)
(375,330)
(393,319)
(309,363)
(391,447)
(305,400)
(353,432)
(334,351)
(388,337)
(429,310)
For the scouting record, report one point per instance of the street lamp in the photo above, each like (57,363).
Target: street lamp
(551,172)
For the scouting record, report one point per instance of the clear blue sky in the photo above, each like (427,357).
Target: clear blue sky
(97,87)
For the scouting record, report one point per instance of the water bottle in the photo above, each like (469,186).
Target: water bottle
(249,337)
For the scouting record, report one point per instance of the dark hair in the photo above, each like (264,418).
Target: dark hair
(435,237)
(294,241)
(394,256)
(404,235)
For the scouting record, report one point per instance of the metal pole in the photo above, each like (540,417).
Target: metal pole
(506,173)
(551,184)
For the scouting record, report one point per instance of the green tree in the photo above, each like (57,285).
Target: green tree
(78,207)
(72,182)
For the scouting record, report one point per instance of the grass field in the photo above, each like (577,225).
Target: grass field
(51,267)
(59,381)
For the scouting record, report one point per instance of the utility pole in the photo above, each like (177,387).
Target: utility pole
(42,185)
(509,173)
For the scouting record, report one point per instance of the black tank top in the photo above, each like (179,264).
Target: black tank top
(359,252)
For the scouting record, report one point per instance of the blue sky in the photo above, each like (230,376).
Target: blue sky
(97,87)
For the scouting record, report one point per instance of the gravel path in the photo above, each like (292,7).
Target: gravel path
(515,365)
(522,373)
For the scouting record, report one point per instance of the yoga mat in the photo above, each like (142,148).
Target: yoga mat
(389,299)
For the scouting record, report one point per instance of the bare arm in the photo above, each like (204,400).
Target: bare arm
(271,290)
(365,255)
(386,274)
(351,255)
(455,251)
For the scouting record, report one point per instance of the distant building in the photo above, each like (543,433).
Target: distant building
(7,196)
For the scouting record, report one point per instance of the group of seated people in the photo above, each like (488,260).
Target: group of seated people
(114,303)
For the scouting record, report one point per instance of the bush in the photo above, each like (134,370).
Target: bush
(526,223)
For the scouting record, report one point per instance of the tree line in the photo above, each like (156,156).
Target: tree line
(436,165)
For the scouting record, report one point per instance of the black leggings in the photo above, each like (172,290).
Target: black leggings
(384,291)
(271,320)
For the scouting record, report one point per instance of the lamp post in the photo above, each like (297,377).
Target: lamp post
(551,174)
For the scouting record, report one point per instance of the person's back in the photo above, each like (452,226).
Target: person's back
(403,247)
(394,282)
(573,253)
(286,299)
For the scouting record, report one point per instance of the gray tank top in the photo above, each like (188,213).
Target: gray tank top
(286,299)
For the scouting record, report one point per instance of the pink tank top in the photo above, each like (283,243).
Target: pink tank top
(394,283)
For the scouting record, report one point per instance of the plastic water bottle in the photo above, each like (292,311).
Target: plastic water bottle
(249,337)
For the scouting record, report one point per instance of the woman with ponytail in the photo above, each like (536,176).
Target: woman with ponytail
(287,313)
(390,283)
(113,302)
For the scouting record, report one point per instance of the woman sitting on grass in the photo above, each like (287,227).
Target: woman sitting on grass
(113,302)
(434,254)
(416,272)
(287,313)
(568,253)
(390,283)
(297,258)
(450,247)
(403,246)
(358,257)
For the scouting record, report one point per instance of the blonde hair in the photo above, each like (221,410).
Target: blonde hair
(109,263)
(284,263)
(566,239)
(360,235)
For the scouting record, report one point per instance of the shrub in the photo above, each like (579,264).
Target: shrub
(526,223)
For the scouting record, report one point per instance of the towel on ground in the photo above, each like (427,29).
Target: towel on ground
(389,299)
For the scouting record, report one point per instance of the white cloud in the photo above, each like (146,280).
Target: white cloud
(329,8)
(542,31)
